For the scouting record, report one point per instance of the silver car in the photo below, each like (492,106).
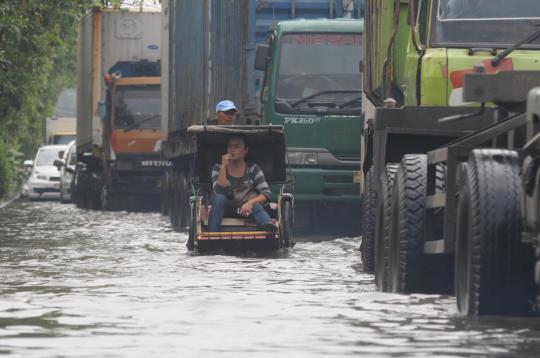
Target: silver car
(66,166)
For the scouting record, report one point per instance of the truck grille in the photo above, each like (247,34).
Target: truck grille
(339,179)
(342,191)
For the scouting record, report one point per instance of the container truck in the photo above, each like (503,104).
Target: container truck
(209,50)
(451,152)
(118,110)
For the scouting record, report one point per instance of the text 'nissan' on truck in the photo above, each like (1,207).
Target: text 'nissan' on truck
(451,160)
(118,103)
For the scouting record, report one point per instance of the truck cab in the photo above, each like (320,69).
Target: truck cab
(135,116)
(312,86)
(417,52)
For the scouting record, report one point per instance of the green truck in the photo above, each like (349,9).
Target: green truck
(447,137)
(312,86)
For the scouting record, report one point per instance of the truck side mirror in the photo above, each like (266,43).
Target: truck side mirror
(262,56)
(361,66)
(102,110)
(28,164)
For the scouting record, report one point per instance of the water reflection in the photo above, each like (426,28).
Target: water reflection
(78,283)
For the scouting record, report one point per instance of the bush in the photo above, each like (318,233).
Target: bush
(6,171)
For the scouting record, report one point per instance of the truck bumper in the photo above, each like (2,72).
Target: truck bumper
(136,183)
(323,185)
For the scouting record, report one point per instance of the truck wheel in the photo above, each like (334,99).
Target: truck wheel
(494,270)
(369,214)
(165,194)
(287,224)
(82,188)
(406,253)
(173,212)
(184,205)
(108,201)
(190,244)
(382,227)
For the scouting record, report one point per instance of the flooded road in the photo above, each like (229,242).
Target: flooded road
(78,283)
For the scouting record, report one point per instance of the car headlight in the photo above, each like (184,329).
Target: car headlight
(39,176)
(303,158)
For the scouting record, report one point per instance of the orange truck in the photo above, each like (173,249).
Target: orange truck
(118,111)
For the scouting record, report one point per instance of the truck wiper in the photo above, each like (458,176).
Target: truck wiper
(356,99)
(307,98)
(497,59)
(138,124)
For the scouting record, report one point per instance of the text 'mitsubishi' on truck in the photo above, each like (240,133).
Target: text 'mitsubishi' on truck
(118,110)
(451,159)
(209,55)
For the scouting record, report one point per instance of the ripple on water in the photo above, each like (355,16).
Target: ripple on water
(79,283)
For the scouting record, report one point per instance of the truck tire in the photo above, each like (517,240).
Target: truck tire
(108,201)
(184,204)
(286,223)
(494,270)
(165,198)
(173,211)
(406,253)
(81,188)
(369,215)
(382,227)
(190,244)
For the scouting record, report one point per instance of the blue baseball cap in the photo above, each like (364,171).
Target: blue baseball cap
(226,105)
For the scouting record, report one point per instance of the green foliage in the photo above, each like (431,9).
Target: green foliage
(6,171)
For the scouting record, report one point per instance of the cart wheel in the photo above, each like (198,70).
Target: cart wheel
(494,270)
(382,227)
(408,271)
(287,213)
(192,227)
(369,213)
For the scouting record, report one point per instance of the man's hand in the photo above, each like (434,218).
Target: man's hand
(245,210)
(225,158)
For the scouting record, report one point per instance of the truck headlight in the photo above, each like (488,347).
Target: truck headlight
(303,158)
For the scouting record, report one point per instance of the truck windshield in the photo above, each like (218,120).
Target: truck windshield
(137,107)
(484,23)
(319,73)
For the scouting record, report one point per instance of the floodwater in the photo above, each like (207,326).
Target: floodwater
(78,283)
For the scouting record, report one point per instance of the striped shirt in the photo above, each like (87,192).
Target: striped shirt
(253,178)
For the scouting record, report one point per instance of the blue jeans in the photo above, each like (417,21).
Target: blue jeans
(220,201)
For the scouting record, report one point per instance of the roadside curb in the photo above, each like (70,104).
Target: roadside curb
(3,204)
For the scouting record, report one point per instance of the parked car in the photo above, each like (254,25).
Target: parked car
(44,177)
(66,166)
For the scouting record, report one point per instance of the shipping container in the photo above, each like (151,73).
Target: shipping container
(107,37)
(209,47)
